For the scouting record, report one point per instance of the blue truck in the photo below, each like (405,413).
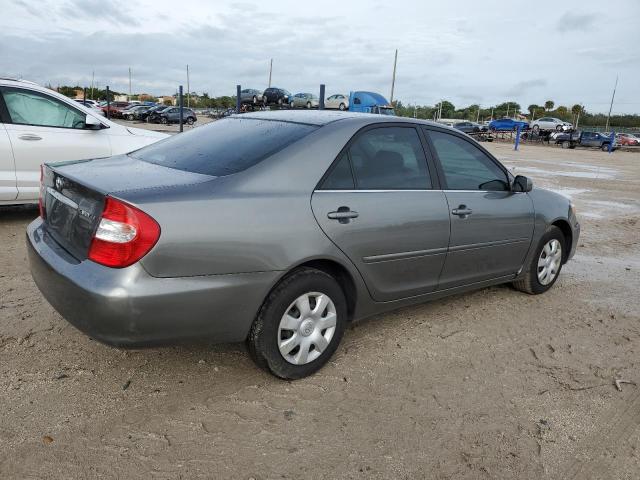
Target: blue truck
(369,102)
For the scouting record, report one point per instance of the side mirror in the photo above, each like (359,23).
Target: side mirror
(92,123)
(522,184)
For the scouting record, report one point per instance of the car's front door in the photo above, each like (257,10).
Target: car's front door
(491,226)
(42,129)
(8,189)
(380,205)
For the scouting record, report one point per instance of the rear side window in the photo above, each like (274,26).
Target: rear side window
(389,158)
(224,147)
(381,158)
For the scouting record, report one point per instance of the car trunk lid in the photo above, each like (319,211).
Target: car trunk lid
(73,194)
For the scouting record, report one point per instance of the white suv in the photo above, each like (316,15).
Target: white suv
(38,125)
(550,124)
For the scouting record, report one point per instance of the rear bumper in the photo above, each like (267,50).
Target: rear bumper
(128,307)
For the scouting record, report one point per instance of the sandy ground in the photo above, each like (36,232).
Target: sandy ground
(492,384)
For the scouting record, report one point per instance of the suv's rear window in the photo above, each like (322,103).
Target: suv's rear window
(225,146)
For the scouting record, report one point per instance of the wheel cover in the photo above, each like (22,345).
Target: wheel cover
(307,328)
(549,262)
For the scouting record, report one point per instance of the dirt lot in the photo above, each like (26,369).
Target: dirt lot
(493,384)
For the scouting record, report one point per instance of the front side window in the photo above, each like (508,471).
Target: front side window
(465,166)
(26,107)
(389,158)
(224,147)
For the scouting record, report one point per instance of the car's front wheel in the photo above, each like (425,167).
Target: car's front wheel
(190,120)
(165,121)
(536,129)
(300,324)
(545,265)
(342,107)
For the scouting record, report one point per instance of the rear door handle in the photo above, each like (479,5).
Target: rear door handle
(462,211)
(343,215)
(30,136)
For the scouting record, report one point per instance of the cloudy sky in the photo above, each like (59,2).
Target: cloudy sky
(464,51)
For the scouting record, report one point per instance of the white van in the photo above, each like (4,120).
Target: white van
(38,125)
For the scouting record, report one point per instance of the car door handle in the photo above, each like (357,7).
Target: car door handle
(343,215)
(30,137)
(462,211)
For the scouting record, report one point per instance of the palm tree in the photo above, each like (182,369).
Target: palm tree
(548,105)
(532,110)
(577,110)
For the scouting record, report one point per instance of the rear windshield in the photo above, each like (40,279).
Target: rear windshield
(225,146)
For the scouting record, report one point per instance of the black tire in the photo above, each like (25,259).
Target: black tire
(164,121)
(529,282)
(566,144)
(558,128)
(308,104)
(291,105)
(255,100)
(342,107)
(280,101)
(605,147)
(536,129)
(263,336)
(190,120)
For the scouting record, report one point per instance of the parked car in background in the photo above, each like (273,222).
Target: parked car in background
(39,125)
(370,102)
(469,127)
(153,115)
(545,124)
(304,100)
(338,101)
(276,96)
(251,96)
(507,125)
(114,109)
(172,115)
(627,139)
(136,112)
(93,106)
(193,229)
(144,116)
(583,139)
(88,103)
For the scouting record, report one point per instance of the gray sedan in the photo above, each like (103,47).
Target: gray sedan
(280,228)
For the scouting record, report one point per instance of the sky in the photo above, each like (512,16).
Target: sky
(464,51)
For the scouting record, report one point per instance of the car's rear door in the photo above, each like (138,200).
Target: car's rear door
(491,226)
(380,204)
(43,129)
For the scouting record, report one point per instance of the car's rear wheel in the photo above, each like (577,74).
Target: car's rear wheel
(190,121)
(605,147)
(536,129)
(545,265)
(165,121)
(342,106)
(255,99)
(291,105)
(558,128)
(300,324)
(308,104)
(566,144)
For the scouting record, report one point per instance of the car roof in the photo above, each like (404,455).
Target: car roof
(325,117)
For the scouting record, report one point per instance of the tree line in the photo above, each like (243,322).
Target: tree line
(575,114)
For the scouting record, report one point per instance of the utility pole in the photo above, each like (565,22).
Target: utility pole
(188,89)
(606,129)
(478,115)
(270,70)
(93,76)
(393,79)
(129,83)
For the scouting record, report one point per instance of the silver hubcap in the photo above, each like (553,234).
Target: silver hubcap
(549,262)
(306,328)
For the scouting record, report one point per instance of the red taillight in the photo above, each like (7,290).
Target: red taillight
(125,235)
(41,196)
